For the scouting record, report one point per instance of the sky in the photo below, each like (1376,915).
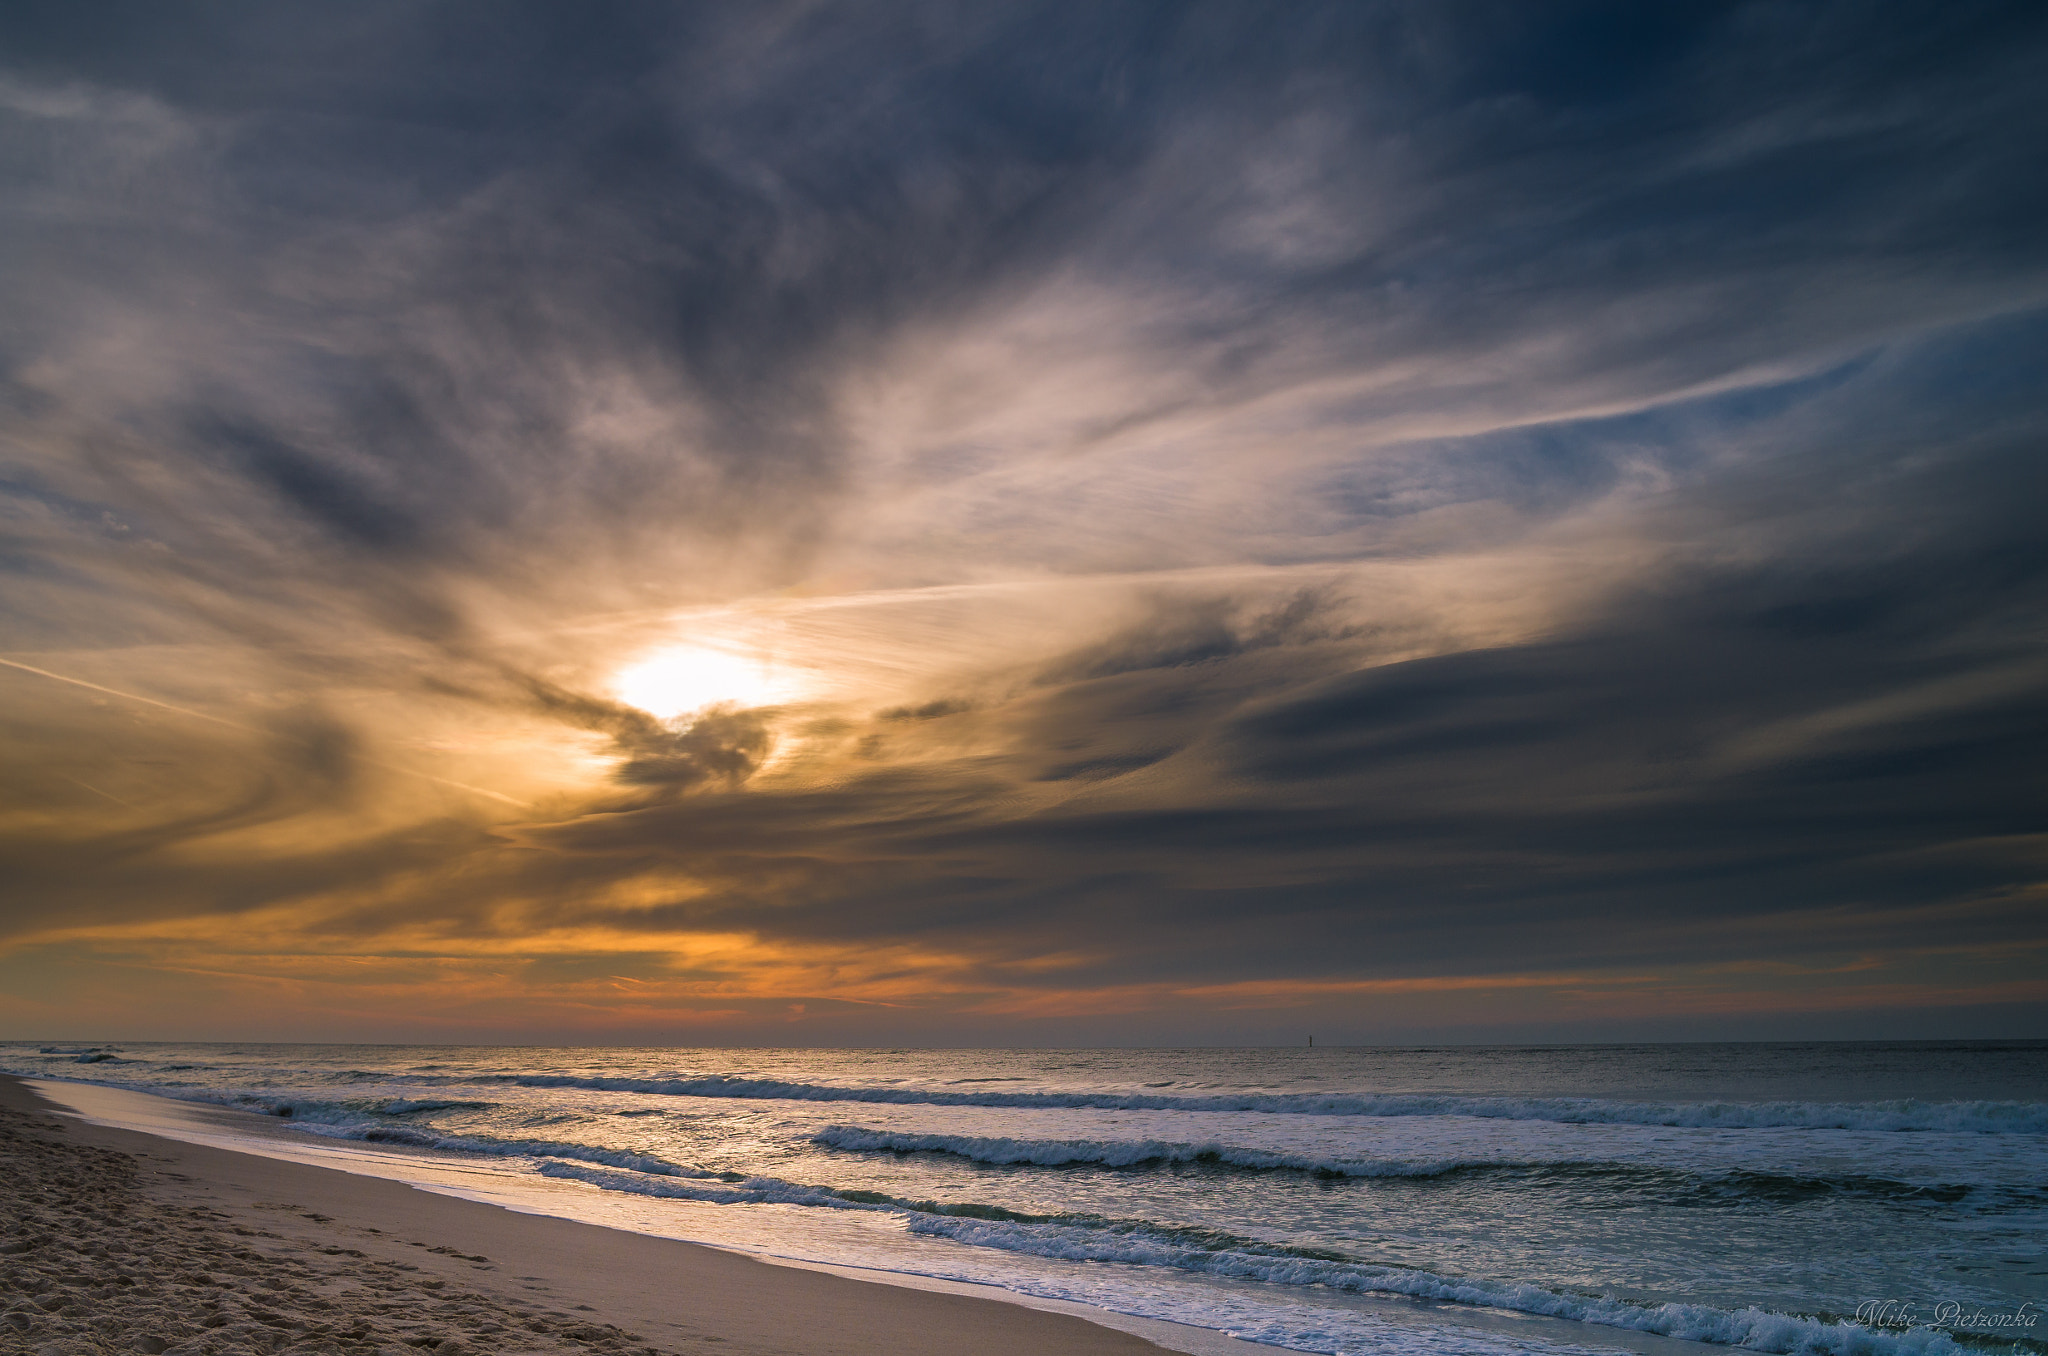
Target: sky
(1023,524)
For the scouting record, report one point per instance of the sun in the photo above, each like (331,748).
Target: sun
(686,678)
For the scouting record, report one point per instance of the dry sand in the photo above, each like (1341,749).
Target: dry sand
(112,1241)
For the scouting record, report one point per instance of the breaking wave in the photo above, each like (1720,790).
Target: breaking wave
(1133,1153)
(1690,1187)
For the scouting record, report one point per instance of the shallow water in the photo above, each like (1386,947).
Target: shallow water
(1760,1195)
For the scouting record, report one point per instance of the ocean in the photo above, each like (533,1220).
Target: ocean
(1850,1198)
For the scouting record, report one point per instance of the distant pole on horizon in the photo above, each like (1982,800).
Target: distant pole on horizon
(1311,1042)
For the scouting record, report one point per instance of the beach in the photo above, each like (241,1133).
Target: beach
(116,1241)
(1657,1200)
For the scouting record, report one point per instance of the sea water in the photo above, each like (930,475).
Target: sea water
(1844,1198)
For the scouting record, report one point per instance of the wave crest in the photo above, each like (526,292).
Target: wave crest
(1133,1154)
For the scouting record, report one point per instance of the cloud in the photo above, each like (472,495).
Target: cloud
(1408,494)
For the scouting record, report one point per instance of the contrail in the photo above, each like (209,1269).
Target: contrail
(97,792)
(250,729)
(128,696)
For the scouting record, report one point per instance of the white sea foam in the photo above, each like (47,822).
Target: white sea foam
(747,1191)
(1757,1329)
(508,1148)
(1905,1115)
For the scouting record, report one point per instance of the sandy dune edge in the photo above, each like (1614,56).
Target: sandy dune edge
(112,1241)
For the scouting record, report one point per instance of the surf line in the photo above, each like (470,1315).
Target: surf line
(249,729)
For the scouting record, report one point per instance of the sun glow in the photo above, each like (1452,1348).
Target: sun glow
(686,678)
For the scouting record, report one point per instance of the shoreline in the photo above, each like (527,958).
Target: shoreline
(246,1150)
(150,1230)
